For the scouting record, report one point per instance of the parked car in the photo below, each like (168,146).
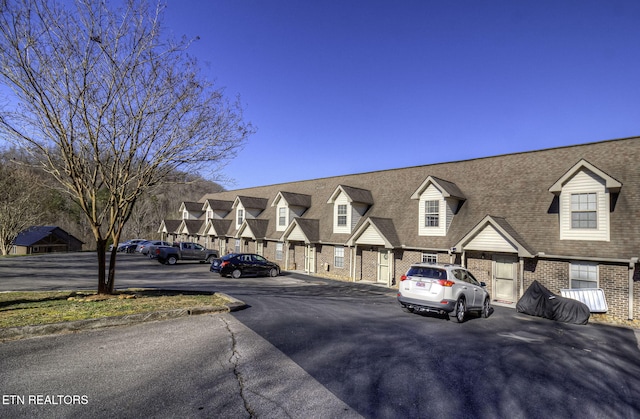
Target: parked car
(141,245)
(244,264)
(150,247)
(129,246)
(442,288)
(185,251)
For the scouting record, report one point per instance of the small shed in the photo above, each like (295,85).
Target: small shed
(45,239)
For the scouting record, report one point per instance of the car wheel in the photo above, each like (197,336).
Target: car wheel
(209,260)
(486,308)
(172,260)
(273,272)
(461,309)
(236,273)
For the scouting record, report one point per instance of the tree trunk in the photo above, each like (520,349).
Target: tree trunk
(104,287)
(111,279)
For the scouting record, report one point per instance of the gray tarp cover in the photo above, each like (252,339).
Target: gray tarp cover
(539,301)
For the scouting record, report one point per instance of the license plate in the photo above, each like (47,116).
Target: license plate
(420,284)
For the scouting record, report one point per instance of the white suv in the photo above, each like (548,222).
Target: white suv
(441,288)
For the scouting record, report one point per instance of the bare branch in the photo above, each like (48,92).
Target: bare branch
(107,105)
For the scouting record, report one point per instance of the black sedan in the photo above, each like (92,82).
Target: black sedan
(244,264)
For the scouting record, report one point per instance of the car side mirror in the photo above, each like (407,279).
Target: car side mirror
(483,284)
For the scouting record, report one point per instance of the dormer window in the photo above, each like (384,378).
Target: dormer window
(584,210)
(438,202)
(341,214)
(349,206)
(248,208)
(289,205)
(432,213)
(240,214)
(584,202)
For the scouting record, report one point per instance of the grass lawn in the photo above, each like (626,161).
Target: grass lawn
(46,307)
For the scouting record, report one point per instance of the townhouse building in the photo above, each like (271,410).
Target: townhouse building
(567,217)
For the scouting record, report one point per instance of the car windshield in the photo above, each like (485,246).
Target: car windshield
(426,272)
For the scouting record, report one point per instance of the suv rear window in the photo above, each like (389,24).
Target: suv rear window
(424,272)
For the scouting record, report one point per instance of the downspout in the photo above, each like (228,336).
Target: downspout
(389,267)
(352,262)
(521,274)
(632,270)
(286,254)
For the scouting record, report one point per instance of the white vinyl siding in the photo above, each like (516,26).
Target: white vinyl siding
(296,234)
(490,239)
(584,187)
(371,237)
(584,275)
(432,196)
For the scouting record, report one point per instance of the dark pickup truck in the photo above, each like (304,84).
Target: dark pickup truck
(185,251)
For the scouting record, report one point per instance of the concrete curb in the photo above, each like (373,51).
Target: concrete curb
(22,332)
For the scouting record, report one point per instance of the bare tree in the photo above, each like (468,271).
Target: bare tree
(20,203)
(109,106)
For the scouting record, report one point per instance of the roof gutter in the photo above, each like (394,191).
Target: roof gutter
(632,269)
(586,258)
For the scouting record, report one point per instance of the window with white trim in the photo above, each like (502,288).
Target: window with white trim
(584,275)
(342,215)
(338,257)
(279,250)
(429,258)
(432,213)
(236,246)
(584,210)
(240,214)
(282,216)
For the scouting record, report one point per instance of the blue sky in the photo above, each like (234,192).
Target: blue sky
(350,86)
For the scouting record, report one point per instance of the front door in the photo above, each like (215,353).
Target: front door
(504,278)
(310,259)
(383,266)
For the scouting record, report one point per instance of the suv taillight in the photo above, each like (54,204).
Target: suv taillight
(403,277)
(224,263)
(445,283)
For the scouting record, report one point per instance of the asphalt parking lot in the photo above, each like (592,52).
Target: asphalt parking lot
(351,340)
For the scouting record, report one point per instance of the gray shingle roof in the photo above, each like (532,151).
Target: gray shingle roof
(35,234)
(512,187)
(219,205)
(253,202)
(193,206)
(171,225)
(297,199)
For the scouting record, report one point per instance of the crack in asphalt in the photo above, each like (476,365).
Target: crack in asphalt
(234,360)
